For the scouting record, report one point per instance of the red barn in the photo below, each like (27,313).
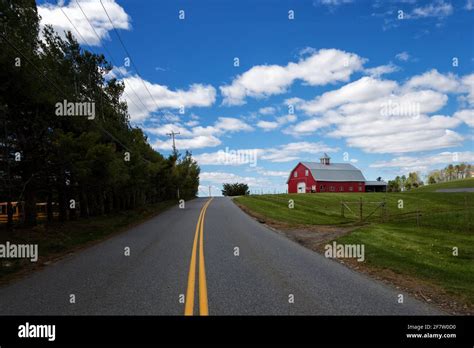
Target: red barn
(325,177)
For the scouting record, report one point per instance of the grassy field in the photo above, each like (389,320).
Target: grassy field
(58,239)
(415,240)
(466,183)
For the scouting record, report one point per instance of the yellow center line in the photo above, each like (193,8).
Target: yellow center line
(189,304)
(203,306)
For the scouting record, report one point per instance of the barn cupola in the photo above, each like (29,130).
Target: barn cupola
(325,159)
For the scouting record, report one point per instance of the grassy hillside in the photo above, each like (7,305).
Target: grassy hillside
(416,239)
(325,208)
(464,183)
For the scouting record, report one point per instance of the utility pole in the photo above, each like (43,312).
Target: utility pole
(172,135)
(209,190)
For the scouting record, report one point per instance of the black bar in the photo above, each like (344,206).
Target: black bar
(326,330)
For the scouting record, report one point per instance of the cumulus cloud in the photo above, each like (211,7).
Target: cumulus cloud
(366,88)
(422,163)
(197,95)
(51,14)
(380,116)
(322,67)
(196,142)
(436,81)
(268,110)
(267,125)
(295,151)
(467,116)
(196,137)
(281,153)
(277,123)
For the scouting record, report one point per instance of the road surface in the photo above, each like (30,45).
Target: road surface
(230,265)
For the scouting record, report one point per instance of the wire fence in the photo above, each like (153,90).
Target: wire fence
(384,211)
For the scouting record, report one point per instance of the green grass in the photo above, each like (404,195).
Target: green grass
(464,183)
(422,249)
(325,208)
(60,238)
(421,252)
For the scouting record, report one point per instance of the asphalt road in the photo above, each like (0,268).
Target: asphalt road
(271,275)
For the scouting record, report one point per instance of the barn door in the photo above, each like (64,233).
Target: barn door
(301,187)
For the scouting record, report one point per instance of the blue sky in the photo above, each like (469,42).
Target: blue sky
(386,85)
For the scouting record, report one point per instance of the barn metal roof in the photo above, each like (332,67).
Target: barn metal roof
(334,171)
(375,183)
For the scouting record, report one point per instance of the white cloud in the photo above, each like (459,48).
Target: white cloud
(467,116)
(224,177)
(323,67)
(364,89)
(197,136)
(197,95)
(279,121)
(436,81)
(407,141)
(51,14)
(229,157)
(468,86)
(197,142)
(379,116)
(267,125)
(382,70)
(269,110)
(403,56)
(281,153)
(276,173)
(295,151)
(231,124)
(116,72)
(438,9)
(422,163)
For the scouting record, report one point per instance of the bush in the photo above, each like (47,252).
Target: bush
(236,189)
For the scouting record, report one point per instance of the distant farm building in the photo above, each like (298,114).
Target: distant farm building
(311,177)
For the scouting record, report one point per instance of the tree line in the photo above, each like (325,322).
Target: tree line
(404,183)
(449,173)
(81,166)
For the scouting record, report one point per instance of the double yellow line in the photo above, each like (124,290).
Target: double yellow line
(189,304)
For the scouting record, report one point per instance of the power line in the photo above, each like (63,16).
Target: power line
(108,52)
(128,54)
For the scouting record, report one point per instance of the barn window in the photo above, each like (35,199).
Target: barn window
(295,174)
(332,188)
(306,172)
(341,188)
(322,188)
(360,188)
(351,188)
